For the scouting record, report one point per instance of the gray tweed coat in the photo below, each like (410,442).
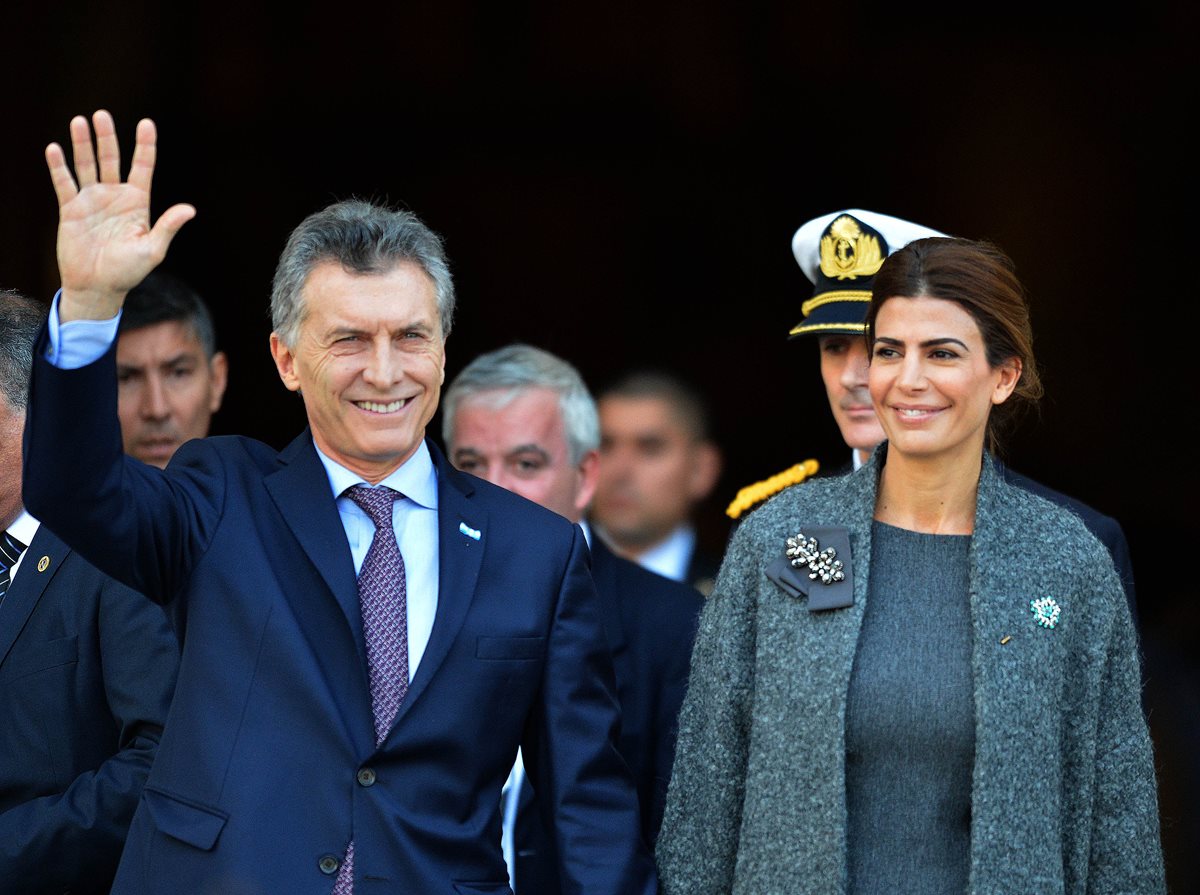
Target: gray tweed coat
(1063,790)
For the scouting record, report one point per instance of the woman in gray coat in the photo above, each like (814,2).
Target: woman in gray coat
(917,678)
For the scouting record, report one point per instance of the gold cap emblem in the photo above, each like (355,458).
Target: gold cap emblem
(847,252)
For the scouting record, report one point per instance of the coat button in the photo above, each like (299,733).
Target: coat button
(328,864)
(366,777)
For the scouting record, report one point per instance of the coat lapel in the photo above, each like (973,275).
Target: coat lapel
(300,489)
(460,555)
(28,586)
(604,572)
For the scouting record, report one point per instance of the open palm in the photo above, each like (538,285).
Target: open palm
(106,244)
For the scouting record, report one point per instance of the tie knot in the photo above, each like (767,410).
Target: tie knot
(375,502)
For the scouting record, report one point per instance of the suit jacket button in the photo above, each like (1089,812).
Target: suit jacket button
(366,777)
(328,864)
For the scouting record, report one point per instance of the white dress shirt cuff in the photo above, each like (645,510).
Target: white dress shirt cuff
(80,342)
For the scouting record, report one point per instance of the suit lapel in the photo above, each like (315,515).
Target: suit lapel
(604,573)
(28,586)
(459,557)
(300,489)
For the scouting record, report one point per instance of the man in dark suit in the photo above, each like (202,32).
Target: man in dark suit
(82,711)
(839,254)
(658,463)
(371,634)
(523,419)
(172,377)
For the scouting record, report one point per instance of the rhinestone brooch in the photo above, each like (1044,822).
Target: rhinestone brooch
(823,565)
(1045,611)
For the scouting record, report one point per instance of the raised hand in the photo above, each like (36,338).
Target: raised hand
(106,245)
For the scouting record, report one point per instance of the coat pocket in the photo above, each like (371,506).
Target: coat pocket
(185,820)
(41,656)
(510,647)
(482,889)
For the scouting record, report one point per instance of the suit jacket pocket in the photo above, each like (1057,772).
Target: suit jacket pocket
(197,825)
(40,656)
(482,888)
(510,647)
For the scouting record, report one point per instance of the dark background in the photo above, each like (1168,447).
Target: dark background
(619,183)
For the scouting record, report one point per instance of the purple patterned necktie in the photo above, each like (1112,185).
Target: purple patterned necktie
(382,595)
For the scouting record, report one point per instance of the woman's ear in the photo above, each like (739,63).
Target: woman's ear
(1010,375)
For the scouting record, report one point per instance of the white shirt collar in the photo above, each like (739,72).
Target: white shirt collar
(24,527)
(416,478)
(671,556)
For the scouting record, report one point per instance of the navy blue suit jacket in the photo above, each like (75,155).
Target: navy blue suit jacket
(650,622)
(81,713)
(268,766)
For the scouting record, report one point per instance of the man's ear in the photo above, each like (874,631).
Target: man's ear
(588,473)
(218,369)
(285,363)
(706,469)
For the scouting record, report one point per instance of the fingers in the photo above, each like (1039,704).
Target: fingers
(81,149)
(165,228)
(60,174)
(107,148)
(145,152)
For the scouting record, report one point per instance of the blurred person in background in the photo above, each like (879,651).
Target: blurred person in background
(657,463)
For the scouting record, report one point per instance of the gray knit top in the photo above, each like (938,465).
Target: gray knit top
(1063,796)
(910,733)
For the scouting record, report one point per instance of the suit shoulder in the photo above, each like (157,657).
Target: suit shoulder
(226,449)
(754,494)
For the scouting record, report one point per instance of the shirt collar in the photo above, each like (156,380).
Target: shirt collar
(416,478)
(670,557)
(24,527)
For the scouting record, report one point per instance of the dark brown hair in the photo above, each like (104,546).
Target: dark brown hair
(982,279)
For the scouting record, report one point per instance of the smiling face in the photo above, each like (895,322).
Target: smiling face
(167,389)
(369,362)
(519,443)
(930,379)
(844,365)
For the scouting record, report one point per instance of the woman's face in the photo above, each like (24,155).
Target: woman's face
(930,380)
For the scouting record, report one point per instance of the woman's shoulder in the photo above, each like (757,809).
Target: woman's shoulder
(817,501)
(1015,526)
(1028,518)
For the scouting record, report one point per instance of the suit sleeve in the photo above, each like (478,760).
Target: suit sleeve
(1126,854)
(680,626)
(697,847)
(74,838)
(571,753)
(132,521)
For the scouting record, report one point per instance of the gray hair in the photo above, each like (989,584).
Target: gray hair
(515,369)
(365,239)
(21,319)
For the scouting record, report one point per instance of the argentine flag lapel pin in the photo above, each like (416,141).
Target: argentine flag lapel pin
(473,533)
